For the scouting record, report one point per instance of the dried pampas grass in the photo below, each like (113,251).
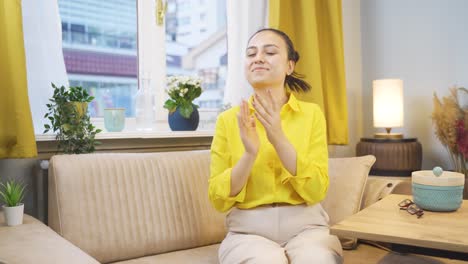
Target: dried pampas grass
(445,116)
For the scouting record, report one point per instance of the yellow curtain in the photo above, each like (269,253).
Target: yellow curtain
(315,27)
(16,129)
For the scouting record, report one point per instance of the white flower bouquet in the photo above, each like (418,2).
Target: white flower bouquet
(182,90)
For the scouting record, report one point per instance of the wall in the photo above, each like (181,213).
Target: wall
(424,43)
(23,170)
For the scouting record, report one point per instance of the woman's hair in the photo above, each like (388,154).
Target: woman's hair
(294,80)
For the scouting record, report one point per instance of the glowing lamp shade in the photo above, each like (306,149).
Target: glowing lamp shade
(388,103)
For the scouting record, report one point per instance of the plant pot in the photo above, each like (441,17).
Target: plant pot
(80,107)
(179,123)
(13,215)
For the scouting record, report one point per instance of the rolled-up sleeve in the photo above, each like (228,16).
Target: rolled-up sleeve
(311,180)
(220,171)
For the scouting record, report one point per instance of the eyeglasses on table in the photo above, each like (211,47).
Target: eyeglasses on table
(411,207)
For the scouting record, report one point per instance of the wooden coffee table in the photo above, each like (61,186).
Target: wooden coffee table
(385,222)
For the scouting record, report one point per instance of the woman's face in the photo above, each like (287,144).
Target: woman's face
(266,63)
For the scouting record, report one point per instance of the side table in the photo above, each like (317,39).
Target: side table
(385,222)
(394,157)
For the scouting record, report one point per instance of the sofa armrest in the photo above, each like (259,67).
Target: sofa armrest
(34,242)
(377,187)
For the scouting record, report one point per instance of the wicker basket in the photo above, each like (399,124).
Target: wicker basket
(442,193)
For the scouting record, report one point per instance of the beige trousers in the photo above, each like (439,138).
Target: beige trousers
(279,234)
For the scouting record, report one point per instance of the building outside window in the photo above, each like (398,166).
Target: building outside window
(100,51)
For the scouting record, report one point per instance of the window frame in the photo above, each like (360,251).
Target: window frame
(152,54)
(150,51)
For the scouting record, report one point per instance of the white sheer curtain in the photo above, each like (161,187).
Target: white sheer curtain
(244,17)
(44,57)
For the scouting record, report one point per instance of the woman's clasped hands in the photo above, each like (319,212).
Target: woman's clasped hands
(267,111)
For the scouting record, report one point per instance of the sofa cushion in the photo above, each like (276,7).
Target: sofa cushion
(347,183)
(128,205)
(200,255)
(379,187)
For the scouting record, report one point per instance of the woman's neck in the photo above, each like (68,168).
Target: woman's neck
(279,93)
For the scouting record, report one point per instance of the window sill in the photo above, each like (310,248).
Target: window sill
(137,134)
(133,141)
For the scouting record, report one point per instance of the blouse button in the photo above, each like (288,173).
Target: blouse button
(270,165)
(278,171)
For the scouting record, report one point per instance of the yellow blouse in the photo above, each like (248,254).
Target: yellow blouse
(269,182)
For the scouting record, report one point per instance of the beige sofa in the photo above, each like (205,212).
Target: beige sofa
(152,208)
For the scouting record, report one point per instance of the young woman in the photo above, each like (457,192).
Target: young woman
(269,165)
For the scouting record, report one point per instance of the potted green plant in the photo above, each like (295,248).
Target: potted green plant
(12,194)
(183,113)
(70,120)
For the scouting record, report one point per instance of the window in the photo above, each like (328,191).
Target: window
(183,5)
(193,53)
(210,78)
(100,51)
(78,34)
(184,21)
(65,32)
(102,54)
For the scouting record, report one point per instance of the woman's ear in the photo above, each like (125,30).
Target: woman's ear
(291,66)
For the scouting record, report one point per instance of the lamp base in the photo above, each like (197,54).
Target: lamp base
(388,135)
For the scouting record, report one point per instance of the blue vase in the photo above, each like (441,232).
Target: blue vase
(179,123)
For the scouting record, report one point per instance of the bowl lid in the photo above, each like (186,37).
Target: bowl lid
(447,178)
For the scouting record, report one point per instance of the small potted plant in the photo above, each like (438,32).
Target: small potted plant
(12,194)
(70,120)
(183,113)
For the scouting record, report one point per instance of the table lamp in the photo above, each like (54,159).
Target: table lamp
(388,106)
(395,155)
